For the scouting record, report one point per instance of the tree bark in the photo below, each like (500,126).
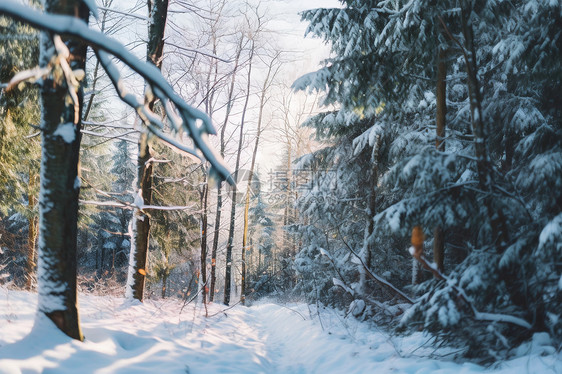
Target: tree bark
(440,119)
(203,280)
(215,244)
(164,284)
(271,73)
(32,223)
(366,253)
(216,234)
(60,187)
(157,10)
(483,163)
(230,243)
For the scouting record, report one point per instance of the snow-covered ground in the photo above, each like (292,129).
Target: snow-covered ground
(158,338)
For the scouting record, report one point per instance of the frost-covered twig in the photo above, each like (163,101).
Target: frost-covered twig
(224,310)
(194,296)
(127,14)
(198,51)
(107,136)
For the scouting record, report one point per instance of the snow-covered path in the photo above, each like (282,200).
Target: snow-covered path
(156,338)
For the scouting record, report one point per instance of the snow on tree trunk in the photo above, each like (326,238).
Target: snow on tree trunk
(230,243)
(60,184)
(204,226)
(158,10)
(215,243)
(366,251)
(229,103)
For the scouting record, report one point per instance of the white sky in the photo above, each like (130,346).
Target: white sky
(307,53)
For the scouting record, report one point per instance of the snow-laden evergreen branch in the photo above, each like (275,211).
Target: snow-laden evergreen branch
(480,316)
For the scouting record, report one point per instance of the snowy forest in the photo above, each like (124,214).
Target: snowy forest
(278,187)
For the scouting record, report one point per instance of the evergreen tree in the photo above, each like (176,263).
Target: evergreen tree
(19,141)
(484,188)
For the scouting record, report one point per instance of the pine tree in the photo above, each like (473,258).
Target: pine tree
(479,188)
(19,112)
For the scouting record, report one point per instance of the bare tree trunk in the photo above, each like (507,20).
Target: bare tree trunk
(271,73)
(157,10)
(215,244)
(366,252)
(60,187)
(164,281)
(31,250)
(441,113)
(230,243)
(32,223)
(483,163)
(203,280)
(219,187)
(244,244)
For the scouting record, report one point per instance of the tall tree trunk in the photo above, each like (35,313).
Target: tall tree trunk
(164,284)
(203,280)
(31,250)
(440,119)
(366,251)
(32,223)
(244,245)
(157,11)
(230,243)
(60,187)
(216,234)
(215,244)
(483,163)
(271,73)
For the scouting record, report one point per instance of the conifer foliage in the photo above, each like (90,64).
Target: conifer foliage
(493,186)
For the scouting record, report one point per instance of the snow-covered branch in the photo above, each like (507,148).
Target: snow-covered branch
(195,122)
(153,122)
(129,206)
(480,316)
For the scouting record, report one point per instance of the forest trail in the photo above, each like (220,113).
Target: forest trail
(161,337)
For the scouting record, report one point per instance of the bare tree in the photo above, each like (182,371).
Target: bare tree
(230,243)
(273,67)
